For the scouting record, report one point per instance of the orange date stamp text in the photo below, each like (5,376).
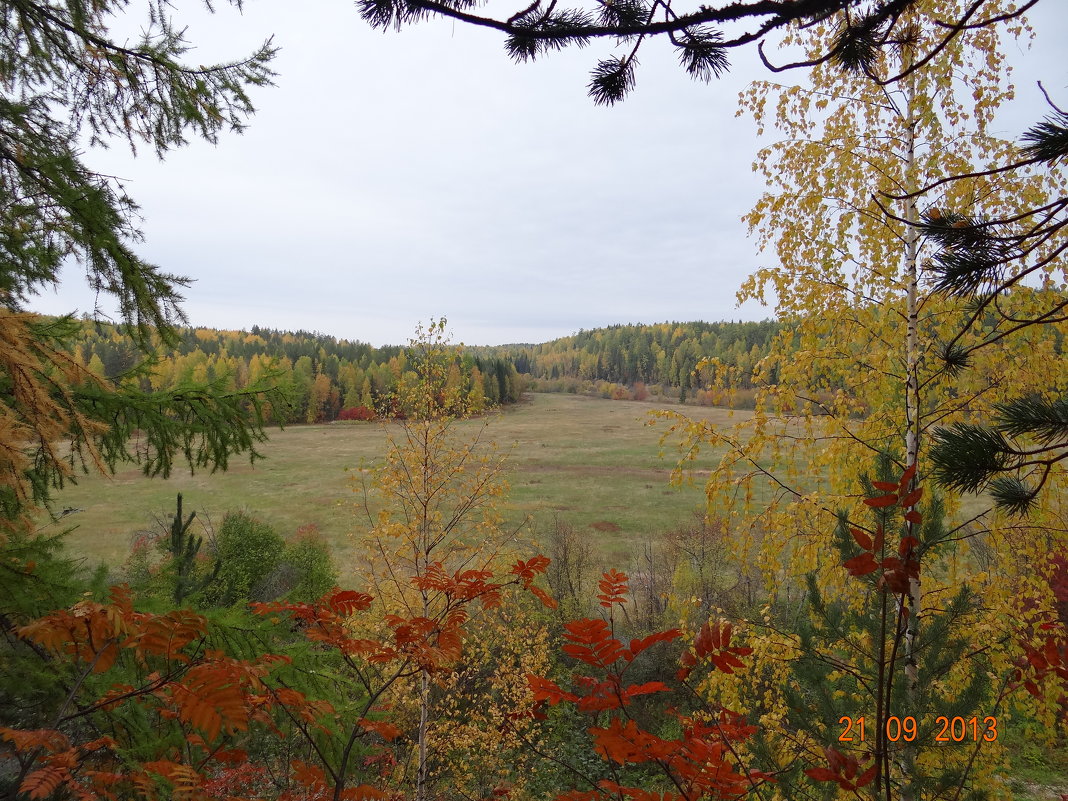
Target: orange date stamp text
(947,729)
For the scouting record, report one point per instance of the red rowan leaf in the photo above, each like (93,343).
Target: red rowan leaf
(613,587)
(102,742)
(106,657)
(821,774)
(44,782)
(907,544)
(707,639)
(867,776)
(24,740)
(546,599)
(881,501)
(835,759)
(885,486)
(591,642)
(914,517)
(209,698)
(348,602)
(165,635)
(1038,662)
(862,539)
(383,728)
(231,756)
(906,477)
(526,571)
(546,690)
(911,499)
(637,646)
(726,661)
(310,776)
(645,689)
(861,565)
(895,582)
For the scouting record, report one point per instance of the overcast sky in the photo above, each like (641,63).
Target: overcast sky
(389,178)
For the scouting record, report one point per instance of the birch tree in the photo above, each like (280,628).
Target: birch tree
(432,513)
(861,368)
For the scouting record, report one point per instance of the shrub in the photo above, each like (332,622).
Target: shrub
(309,561)
(356,413)
(249,552)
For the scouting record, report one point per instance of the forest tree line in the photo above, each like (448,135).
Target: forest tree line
(621,361)
(322,378)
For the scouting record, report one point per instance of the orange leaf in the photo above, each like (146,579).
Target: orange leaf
(348,602)
(44,782)
(543,596)
(383,728)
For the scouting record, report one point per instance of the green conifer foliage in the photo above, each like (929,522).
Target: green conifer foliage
(184,548)
(64,81)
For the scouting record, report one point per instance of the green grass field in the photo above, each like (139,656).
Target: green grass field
(587,460)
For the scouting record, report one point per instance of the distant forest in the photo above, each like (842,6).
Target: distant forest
(629,361)
(327,379)
(324,379)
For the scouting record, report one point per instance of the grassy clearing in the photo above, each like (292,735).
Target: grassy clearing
(586,459)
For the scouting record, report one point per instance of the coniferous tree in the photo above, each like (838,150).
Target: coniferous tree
(64,81)
(702,34)
(184,549)
(984,260)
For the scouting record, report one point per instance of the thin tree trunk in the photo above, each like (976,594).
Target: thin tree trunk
(421,780)
(912,407)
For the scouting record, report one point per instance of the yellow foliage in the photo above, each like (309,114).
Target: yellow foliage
(833,392)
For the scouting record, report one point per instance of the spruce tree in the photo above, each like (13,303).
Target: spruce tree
(184,549)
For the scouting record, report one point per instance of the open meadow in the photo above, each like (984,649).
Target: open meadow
(593,462)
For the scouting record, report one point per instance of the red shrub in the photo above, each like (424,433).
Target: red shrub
(356,413)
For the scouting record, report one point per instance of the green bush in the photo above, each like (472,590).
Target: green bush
(249,552)
(257,564)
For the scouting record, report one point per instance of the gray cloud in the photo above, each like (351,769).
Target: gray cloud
(389,178)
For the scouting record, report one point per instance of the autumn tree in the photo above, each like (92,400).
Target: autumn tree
(432,513)
(656,740)
(65,81)
(861,368)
